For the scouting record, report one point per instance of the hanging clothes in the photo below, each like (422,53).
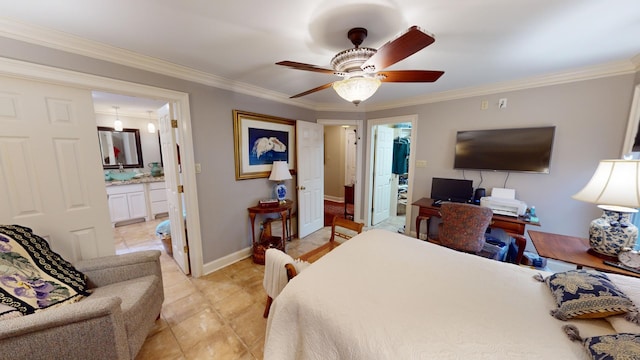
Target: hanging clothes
(400,159)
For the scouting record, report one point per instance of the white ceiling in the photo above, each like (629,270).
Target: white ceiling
(478,42)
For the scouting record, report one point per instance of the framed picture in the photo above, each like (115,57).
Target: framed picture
(259,141)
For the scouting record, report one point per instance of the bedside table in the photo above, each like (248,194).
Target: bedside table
(259,247)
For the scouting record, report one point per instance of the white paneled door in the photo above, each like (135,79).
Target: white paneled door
(173,183)
(310,145)
(51,176)
(382,174)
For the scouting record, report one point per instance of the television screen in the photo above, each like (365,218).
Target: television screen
(524,149)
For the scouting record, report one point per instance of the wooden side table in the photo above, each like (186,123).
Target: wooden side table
(259,247)
(570,249)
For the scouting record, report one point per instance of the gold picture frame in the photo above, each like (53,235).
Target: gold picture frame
(259,140)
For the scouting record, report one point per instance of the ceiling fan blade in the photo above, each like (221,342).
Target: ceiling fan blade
(322,87)
(407,44)
(306,67)
(411,75)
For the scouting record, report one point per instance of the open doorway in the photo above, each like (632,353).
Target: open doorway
(339,171)
(67,80)
(389,168)
(149,155)
(342,169)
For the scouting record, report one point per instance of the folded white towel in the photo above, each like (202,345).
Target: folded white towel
(275,274)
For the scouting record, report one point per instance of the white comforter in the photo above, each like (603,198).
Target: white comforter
(383,295)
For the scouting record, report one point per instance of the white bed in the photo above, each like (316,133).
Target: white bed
(382,295)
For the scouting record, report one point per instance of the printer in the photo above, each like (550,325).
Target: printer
(503,202)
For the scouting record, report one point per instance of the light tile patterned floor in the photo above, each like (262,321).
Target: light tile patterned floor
(216,316)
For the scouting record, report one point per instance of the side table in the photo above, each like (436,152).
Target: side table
(570,249)
(259,247)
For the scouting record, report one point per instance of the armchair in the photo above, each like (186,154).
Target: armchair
(111,323)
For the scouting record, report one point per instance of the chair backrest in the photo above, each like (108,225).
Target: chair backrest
(463,226)
(339,227)
(291,271)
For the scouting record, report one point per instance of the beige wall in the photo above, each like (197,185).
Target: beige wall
(334,162)
(223,201)
(590,119)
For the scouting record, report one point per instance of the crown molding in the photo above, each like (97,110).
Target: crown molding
(73,44)
(80,46)
(587,73)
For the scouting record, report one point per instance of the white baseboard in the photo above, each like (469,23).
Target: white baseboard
(334,198)
(218,264)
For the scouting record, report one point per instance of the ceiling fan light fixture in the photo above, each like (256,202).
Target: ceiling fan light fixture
(357,89)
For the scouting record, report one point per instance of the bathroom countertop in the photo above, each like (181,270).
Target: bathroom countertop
(141,180)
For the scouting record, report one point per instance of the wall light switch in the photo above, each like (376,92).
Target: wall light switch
(502,103)
(484,105)
(198,168)
(421,163)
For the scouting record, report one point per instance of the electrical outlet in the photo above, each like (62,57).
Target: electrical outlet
(198,168)
(484,105)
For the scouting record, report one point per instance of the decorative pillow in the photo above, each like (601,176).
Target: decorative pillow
(584,294)
(630,286)
(32,276)
(8,312)
(608,347)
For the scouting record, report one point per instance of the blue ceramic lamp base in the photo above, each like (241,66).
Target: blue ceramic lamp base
(280,191)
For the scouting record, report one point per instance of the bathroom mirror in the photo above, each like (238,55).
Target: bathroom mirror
(120,147)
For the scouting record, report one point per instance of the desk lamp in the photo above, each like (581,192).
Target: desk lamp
(280,172)
(615,187)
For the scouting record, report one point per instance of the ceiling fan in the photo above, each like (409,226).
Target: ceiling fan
(363,68)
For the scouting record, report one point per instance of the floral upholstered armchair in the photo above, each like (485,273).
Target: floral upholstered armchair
(463,226)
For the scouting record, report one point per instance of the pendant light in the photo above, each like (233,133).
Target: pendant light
(151,126)
(117,125)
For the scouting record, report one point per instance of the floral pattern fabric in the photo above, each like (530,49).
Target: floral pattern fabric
(614,347)
(32,276)
(583,294)
(464,226)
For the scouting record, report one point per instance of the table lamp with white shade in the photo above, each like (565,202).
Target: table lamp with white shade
(279,173)
(615,187)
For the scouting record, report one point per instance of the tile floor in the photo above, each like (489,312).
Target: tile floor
(216,316)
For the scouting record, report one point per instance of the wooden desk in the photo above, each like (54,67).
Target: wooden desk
(510,224)
(259,247)
(513,226)
(570,249)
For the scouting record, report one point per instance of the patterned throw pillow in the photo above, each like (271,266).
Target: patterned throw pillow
(607,347)
(32,276)
(584,294)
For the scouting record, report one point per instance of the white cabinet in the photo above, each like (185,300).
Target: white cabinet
(157,198)
(127,202)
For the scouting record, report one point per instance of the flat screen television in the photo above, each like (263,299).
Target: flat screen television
(519,149)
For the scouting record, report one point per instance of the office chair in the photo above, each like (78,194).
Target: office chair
(463,226)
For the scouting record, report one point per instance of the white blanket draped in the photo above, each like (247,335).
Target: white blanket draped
(382,295)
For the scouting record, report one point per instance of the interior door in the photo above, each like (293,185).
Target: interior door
(310,147)
(382,174)
(350,158)
(51,176)
(169,149)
